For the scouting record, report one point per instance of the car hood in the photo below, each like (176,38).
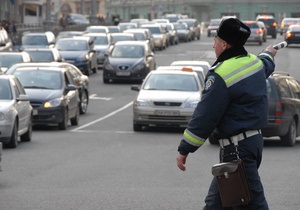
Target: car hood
(6,104)
(72,54)
(42,94)
(124,61)
(170,96)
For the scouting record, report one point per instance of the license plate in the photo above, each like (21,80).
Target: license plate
(297,35)
(35,112)
(167,112)
(122,73)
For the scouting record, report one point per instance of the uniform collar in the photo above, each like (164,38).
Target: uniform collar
(231,52)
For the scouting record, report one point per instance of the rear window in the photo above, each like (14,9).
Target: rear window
(252,25)
(283,88)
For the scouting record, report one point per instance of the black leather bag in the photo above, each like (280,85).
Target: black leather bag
(232,183)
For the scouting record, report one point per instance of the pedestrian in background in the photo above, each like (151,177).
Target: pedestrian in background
(234,104)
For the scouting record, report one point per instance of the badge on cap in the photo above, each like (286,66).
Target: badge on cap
(209,82)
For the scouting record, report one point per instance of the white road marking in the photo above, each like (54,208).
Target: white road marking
(103,118)
(94,96)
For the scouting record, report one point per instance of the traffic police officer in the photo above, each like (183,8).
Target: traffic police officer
(234,104)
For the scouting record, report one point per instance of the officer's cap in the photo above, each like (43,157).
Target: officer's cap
(233,31)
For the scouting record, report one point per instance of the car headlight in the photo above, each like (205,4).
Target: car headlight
(53,103)
(192,104)
(108,66)
(85,58)
(141,103)
(140,66)
(2,116)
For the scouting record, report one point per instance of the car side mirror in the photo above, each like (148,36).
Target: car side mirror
(71,87)
(23,97)
(135,87)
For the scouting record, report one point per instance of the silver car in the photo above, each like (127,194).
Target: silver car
(15,112)
(166,98)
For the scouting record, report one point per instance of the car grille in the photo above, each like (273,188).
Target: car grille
(123,67)
(167,103)
(36,104)
(168,118)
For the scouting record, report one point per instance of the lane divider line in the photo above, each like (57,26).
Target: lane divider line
(103,118)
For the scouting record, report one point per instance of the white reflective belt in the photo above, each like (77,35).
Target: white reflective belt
(239,137)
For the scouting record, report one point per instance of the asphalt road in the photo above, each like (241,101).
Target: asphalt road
(103,165)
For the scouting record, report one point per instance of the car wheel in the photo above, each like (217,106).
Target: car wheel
(75,120)
(64,123)
(290,138)
(13,142)
(83,103)
(26,137)
(137,127)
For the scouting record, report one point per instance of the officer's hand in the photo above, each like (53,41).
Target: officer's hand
(181,159)
(271,50)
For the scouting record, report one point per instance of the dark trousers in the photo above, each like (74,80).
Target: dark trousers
(250,151)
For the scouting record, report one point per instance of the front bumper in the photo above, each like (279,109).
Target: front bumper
(48,116)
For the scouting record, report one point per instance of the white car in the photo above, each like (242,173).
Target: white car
(15,112)
(166,98)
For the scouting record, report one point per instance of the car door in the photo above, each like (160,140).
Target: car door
(23,107)
(295,89)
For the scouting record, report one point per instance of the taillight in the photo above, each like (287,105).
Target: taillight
(278,112)
(288,34)
(258,31)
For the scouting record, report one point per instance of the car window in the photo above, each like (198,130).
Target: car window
(295,86)
(72,45)
(9,60)
(283,88)
(34,40)
(39,79)
(171,82)
(5,91)
(39,56)
(101,40)
(128,52)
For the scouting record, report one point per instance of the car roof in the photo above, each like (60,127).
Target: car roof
(131,43)
(180,68)
(40,65)
(169,71)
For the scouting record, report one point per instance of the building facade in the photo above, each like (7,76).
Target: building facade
(37,11)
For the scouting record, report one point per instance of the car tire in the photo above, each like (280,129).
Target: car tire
(75,120)
(26,137)
(84,101)
(137,127)
(290,138)
(64,123)
(13,142)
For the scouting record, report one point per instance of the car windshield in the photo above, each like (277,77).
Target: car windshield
(41,56)
(122,37)
(176,82)
(180,26)
(9,60)
(101,40)
(95,30)
(155,30)
(5,91)
(34,40)
(39,79)
(72,45)
(128,51)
